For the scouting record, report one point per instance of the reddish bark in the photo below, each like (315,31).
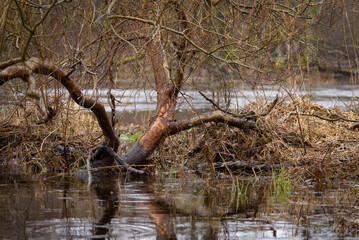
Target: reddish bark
(167,89)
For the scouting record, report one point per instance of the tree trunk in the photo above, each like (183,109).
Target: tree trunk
(167,89)
(161,126)
(168,85)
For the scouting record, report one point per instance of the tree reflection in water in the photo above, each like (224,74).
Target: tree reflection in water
(108,195)
(201,212)
(64,208)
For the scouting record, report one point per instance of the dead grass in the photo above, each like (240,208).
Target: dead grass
(312,147)
(30,147)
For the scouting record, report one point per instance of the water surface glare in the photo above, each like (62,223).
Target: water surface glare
(135,100)
(67,208)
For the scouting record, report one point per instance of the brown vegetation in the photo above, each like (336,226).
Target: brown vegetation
(291,135)
(254,42)
(319,149)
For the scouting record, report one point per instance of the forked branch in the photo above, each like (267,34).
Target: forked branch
(35,65)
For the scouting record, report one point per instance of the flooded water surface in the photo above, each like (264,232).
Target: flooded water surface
(182,208)
(135,104)
(136,100)
(186,208)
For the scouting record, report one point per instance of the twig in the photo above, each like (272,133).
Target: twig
(112,103)
(270,108)
(43,141)
(33,29)
(10,62)
(250,114)
(239,165)
(301,130)
(346,105)
(328,119)
(185,36)
(223,110)
(355,126)
(88,165)
(73,69)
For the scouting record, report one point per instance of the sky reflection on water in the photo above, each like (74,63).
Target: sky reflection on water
(135,209)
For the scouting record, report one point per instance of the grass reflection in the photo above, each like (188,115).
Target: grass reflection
(280,184)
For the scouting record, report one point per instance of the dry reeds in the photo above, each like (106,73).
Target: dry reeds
(58,146)
(293,134)
(314,141)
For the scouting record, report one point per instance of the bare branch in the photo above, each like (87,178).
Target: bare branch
(23,21)
(9,63)
(328,119)
(33,29)
(270,108)
(209,53)
(35,65)
(216,116)
(248,115)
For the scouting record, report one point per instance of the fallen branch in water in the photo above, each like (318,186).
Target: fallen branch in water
(237,165)
(104,148)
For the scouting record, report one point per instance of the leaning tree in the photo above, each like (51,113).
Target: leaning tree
(72,40)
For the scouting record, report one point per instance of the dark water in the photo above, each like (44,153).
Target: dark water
(172,208)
